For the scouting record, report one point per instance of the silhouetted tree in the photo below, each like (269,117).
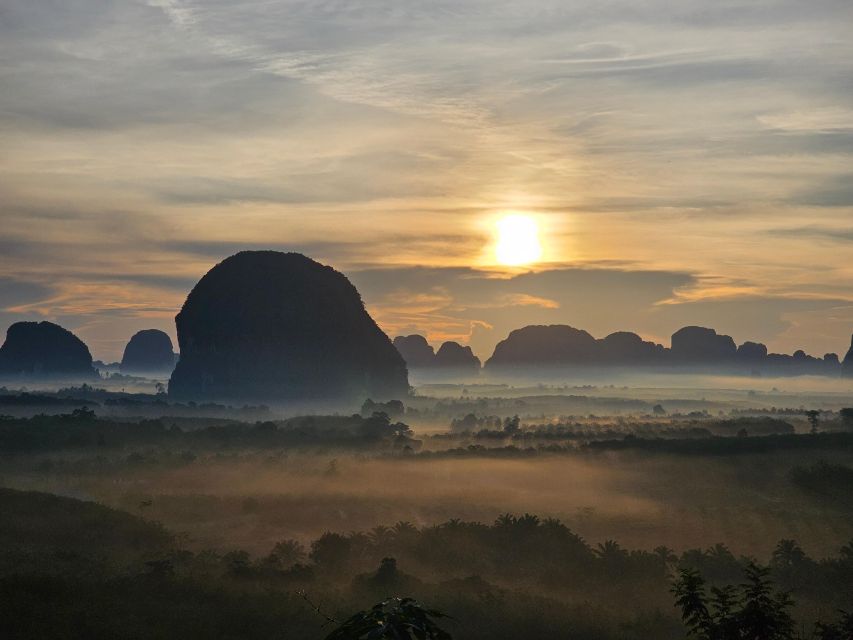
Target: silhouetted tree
(787,554)
(287,553)
(331,550)
(512,425)
(843,630)
(813,417)
(750,611)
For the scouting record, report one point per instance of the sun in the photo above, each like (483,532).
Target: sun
(518,241)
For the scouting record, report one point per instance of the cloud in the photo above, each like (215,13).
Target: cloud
(599,299)
(824,119)
(822,234)
(525,300)
(15,292)
(835,191)
(668,149)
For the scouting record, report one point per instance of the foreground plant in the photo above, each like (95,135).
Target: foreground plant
(750,611)
(394,618)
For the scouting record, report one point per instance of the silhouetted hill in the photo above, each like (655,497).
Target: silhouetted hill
(70,533)
(271,326)
(752,351)
(44,349)
(624,347)
(700,344)
(452,358)
(554,344)
(847,364)
(453,355)
(148,351)
(697,349)
(416,351)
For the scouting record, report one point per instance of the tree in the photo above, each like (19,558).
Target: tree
(689,592)
(787,554)
(331,550)
(667,556)
(843,630)
(286,553)
(512,425)
(749,611)
(379,426)
(83,413)
(764,615)
(813,416)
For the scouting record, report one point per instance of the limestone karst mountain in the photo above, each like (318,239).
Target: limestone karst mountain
(624,347)
(700,344)
(847,364)
(44,349)
(416,351)
(545,345)
(694,349)
(266,326)
(451,358)
(148,351)
(452,355)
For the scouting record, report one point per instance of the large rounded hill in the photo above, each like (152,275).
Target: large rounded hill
(44,349)
(266,326)
(148,351)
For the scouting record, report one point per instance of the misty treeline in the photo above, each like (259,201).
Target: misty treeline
(83,428)
(77,569)
(381,432)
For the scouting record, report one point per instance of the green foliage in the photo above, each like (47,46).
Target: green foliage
(843,630)
(749,611)
(395,619)
(689,592)
(76,569)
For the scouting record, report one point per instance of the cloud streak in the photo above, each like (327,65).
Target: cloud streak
(670,152)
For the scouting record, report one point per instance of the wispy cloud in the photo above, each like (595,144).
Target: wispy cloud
(674,150)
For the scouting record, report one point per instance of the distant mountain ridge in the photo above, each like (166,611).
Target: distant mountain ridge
(451,357)
(692,348)
(847,365)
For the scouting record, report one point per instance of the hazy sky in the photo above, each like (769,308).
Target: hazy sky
(687,162)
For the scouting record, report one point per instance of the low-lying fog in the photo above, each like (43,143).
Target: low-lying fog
(251,498)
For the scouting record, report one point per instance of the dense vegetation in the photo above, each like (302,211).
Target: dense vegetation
(114,574)
(82,428)
(272,521)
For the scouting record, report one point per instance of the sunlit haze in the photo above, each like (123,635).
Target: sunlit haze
(518,241)
(692,156)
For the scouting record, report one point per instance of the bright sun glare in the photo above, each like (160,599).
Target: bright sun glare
(518,240)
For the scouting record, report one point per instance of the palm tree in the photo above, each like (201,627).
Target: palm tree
(287,553)
(787,554)
(667,556)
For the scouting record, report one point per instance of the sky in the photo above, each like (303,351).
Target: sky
(685,162)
